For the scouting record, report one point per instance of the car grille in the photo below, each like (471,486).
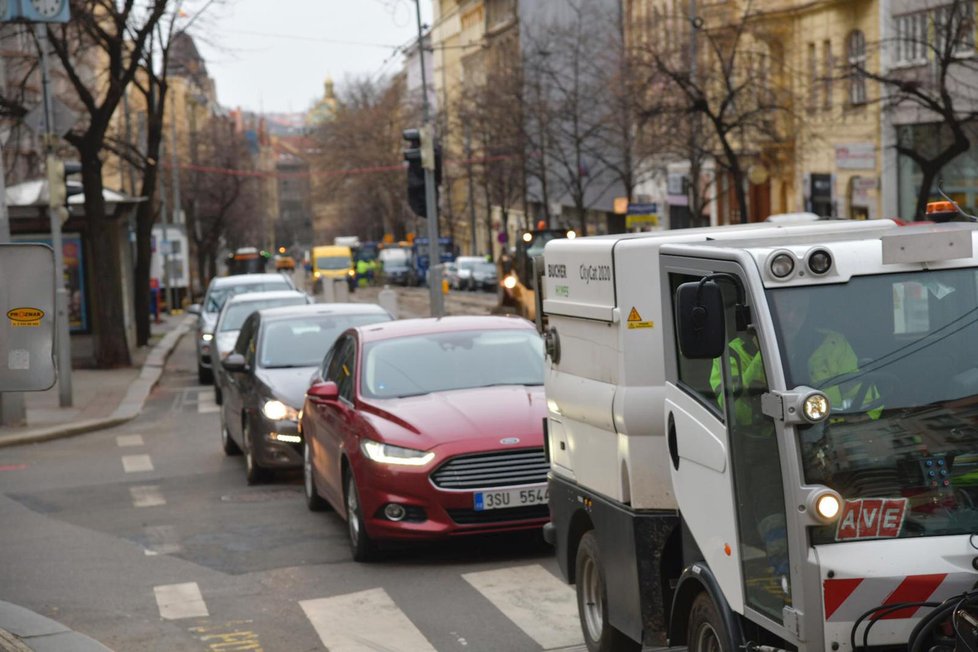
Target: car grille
(472,517)
(490,470)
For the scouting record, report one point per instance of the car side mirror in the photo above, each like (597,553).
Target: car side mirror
(700,320)
(323,391)
(234,362)
(194,309)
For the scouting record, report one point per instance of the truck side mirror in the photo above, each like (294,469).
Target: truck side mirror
(699,319)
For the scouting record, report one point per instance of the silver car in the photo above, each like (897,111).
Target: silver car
(218,291)
(234,313)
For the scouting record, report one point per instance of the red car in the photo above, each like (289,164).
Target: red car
(427,428)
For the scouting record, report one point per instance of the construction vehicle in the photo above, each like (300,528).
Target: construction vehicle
(715,484)
(517,293)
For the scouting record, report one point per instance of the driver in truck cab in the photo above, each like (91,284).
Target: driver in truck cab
(821,355)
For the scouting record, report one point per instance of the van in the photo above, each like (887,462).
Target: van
(332,262)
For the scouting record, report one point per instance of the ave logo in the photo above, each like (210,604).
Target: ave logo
(871,518)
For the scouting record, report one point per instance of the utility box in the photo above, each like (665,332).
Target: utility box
(27,318)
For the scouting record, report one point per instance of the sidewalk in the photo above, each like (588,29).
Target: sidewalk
(101,398)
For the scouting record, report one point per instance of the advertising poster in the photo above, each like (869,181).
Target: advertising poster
(71,246)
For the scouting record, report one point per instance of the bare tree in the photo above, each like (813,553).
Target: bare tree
(117,33)
(359,170)
(937,79)
(566,127)
(733,91)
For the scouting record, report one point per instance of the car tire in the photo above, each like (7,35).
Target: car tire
(314,501)
(361,546)
(204,375)
(707,631)
(592,602)
(254,473)
(230,448)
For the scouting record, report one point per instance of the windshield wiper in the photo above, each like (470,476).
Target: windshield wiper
(287,366)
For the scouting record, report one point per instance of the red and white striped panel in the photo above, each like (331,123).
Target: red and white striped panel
(846,599)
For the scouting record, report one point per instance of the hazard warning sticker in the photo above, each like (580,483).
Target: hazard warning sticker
(871,518)
(635,320)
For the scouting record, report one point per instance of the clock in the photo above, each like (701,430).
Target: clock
(48,8)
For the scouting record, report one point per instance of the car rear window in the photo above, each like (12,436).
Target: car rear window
(218,296)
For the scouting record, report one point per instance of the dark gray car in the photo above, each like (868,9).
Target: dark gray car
(267,374)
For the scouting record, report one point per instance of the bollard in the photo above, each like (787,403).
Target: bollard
(387,298)
(444,286)
(341,290)
(326,286)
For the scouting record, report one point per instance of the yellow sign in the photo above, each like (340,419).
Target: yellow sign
(25,316)
(632,221)
(635,320)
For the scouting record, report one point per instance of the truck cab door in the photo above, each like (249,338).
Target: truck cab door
(726,467)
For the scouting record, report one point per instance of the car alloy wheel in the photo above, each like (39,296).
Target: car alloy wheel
(314,501)
(254,473)
(360,544)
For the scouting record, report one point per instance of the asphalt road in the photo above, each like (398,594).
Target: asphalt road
(146,537)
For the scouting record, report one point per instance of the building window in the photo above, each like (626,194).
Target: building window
(856,52)
(911,30)
(812,78)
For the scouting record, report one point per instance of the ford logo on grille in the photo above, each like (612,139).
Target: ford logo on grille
(509,441)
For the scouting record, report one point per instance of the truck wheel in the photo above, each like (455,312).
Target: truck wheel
(707,632)
(592,602)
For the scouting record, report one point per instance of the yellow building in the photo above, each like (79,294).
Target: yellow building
(817,149)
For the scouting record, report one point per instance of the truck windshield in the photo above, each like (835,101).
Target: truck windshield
(333,262)
(897,355)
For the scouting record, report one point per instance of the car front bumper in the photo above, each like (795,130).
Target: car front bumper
(431,512)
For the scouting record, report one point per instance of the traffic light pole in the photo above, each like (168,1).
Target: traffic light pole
(62,337)
(434,255)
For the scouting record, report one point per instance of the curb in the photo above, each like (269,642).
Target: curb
(25,631)
(131,404)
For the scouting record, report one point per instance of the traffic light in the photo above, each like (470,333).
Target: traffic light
(415,173)
(59,187)
(418,159)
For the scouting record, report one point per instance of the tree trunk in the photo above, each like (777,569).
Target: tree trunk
(145,218)
(111,347)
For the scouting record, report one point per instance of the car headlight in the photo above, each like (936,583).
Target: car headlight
(206,337)
(387,454)
(278,411)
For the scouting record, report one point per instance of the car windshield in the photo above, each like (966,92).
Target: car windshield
(467,264)
(218,295)
(898,359)
(236,314)
(486,269)
(438,362)
(333,262)
(304,341)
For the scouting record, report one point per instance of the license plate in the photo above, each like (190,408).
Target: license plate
(508,498)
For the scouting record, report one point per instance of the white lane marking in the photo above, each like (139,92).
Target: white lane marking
(364,622)
(178,601)
(206,402)
(137,463)
(540,604)
(161,540)
(147,496)
(129,440)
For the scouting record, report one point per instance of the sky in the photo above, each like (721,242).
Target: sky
(274,55)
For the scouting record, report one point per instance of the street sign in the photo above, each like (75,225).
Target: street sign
(27,318)
(64,118)
(641,215)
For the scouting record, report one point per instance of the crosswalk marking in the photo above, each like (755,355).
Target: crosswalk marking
(540,604)
(129,440)
(364,622)
(146,496)
(177,601)
(205,402)
(161,540)
(136,463)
